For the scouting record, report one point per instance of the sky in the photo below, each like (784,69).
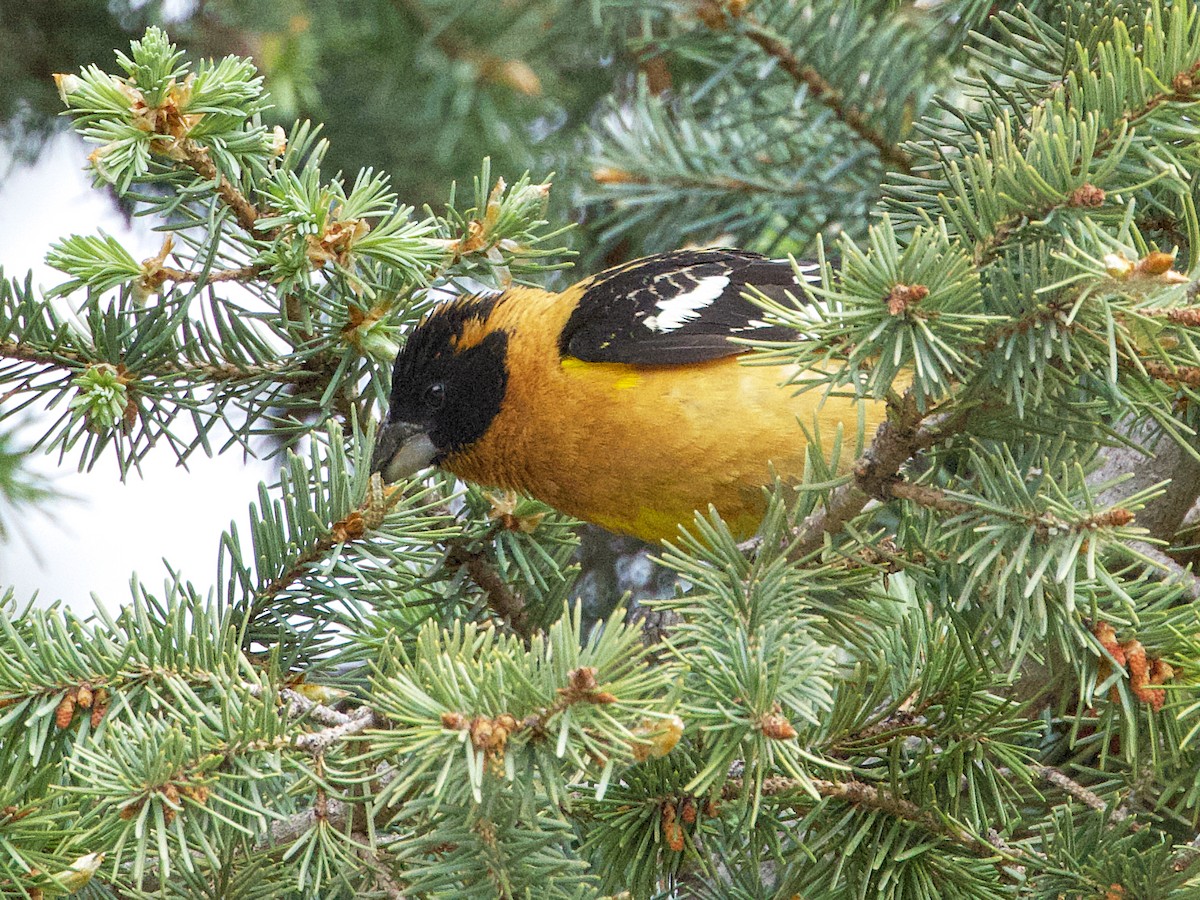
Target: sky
(108,530)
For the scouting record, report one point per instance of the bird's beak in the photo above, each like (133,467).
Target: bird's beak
(401,449)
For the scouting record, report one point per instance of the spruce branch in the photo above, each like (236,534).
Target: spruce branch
(242,273)
(353,526)
(1043,523)
(988,248)
(1087,136)
(285,372)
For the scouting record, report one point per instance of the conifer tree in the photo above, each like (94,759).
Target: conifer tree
(965,669)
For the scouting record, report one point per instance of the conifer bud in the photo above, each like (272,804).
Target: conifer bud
(661,736)
(76,876)
(67,85)
(102,398)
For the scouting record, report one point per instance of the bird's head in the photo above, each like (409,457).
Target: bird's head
(447,386)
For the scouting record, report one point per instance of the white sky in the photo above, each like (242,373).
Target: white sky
(93,543)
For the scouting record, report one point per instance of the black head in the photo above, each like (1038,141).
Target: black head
(447,386)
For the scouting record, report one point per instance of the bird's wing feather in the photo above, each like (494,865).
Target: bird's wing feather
(678,308)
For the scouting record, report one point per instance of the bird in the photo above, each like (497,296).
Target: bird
(623,400)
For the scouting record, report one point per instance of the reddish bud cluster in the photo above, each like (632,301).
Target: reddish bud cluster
(902,296)
(489,735)
(582,688)
(349,528)
(172,794)
(1146,675)
(82,697)
(775,725)
(1117,517)
(676,813)
(1087,195)
(672,830)
(335,243)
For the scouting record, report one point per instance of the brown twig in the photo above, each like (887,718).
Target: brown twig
(928,497)
(861,794)
(242,273)
(1044,524)
(895,443)
(1189,375)
(1074,789)
(351,527)
(67,359)
(826,94)
(246,213)
(299,567)
(501,599)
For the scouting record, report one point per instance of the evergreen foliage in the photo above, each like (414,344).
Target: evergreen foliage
(966,669)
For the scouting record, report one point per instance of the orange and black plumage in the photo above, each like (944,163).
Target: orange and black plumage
(622,400)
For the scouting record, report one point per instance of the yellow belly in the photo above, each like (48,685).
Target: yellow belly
(638,450)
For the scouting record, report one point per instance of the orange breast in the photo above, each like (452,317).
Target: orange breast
(639,449)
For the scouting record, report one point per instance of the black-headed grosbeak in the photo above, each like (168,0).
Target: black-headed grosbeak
(621,400)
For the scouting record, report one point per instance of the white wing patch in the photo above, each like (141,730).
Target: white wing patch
(675,312)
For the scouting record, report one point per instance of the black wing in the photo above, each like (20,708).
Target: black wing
(677,308)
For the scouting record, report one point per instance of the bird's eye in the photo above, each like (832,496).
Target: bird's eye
(435,395)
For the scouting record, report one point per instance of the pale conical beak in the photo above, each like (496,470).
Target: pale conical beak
(401,449)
